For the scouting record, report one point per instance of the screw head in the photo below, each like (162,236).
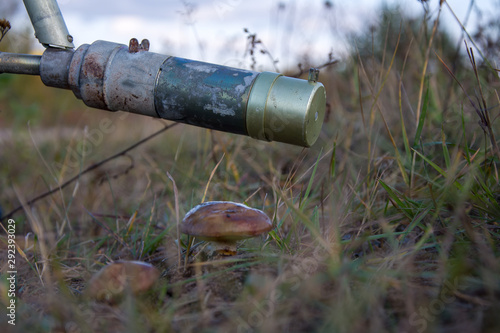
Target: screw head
(133,46)
(313,75)
(144,45)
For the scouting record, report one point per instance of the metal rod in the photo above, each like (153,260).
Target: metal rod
(48,22)
(16,63)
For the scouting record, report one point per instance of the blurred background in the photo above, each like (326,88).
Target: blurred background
(213,30)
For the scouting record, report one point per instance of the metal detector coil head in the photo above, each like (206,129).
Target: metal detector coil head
(266,106)
(110,76)
(285,109)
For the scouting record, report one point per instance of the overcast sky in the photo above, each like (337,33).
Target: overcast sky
(212,30)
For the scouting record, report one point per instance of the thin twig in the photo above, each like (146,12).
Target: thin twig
(176,197)
(480,105)
(426,62)
(90,168)
(4,28)
(211,176)
(302,71)
(113,234)
(464,30)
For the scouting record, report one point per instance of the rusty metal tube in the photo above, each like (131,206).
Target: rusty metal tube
(107,76)
(266,106)
(48,22)
(55,67)
(15,63)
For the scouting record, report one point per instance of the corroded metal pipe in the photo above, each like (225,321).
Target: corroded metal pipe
(266,106)
(16,63)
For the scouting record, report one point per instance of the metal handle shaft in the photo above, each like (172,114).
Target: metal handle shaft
(15,63)
(48,23)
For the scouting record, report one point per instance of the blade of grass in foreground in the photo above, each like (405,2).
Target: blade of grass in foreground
(446,152)
(418,134)
(332,161)
(437,168)
(309,185)
(306,221)
(400,104)
(418,219)
(421,120)
(397,202)
(466,148)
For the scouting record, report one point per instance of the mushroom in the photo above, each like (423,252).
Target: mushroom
(112,281)
(224,223)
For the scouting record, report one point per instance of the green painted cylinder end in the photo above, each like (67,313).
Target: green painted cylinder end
(285,109)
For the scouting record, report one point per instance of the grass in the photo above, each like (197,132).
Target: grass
(389,223)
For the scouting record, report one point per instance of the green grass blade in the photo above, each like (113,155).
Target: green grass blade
(153,243)
(400,205)
(466,148)
(434,165)
(446,152)
(332,160)
(437,168)
(423,115)
(417,219)
(403,127)
(309,185)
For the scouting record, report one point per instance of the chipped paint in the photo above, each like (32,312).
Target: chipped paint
(202,67)
(203,94)
(247,82)
(220,109)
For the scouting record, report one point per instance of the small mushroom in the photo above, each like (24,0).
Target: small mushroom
(224,223)
(112,281)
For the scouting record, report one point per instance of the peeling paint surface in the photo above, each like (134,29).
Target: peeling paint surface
(203,94)
(247,81)
(201,67)
(220,109)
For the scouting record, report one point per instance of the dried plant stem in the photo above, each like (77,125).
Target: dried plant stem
(176,197)
(480,107)
(211,176)
(4,28)
(301,71)
(426,63)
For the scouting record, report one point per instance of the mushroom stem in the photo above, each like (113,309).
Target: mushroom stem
(224,248)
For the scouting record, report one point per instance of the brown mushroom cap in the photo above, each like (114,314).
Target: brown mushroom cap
(110,283)
(225,221)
